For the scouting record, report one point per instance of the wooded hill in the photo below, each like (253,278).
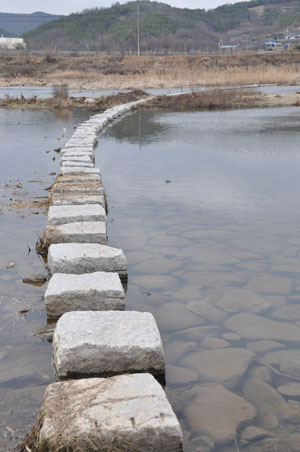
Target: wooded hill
(12,25)
(164,28)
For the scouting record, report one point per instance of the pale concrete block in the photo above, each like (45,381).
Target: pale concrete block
(86,258)
(73,214)
(79,170)
(90,343)
(126,409)
(98,291)
(80,187)
(84,232)
(77,199)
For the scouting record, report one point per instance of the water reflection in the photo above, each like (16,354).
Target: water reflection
(215,255)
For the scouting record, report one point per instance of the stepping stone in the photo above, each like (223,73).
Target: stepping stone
(98,291)
(75,155)
(86,187)
(71,163)
(81,232)
(78,159)
(59,199)
(74,178)
(78,149)
(81,258)
(122,410)
(111,342)
(79,170)
(74,214)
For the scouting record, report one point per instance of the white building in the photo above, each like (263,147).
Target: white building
(12,43)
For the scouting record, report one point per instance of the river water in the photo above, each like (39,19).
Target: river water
(28,139)
(206,207)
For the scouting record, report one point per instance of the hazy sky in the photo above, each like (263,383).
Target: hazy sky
(68,6)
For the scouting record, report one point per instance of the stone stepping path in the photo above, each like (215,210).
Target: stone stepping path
(94,335)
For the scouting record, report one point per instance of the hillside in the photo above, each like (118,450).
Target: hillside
(17,24)
(164,28)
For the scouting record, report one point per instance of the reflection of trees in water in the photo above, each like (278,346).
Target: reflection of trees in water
(139,128)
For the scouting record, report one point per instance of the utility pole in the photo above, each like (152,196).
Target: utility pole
(138,27)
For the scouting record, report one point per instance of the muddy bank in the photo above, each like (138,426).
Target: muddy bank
(70,103)
(216,99)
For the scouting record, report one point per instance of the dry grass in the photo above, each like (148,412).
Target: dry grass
(130,72)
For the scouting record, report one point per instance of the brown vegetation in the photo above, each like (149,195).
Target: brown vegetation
(104,71)
(220,99)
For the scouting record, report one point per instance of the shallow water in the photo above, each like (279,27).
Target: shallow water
(47,91)
(206,207)
(28,140)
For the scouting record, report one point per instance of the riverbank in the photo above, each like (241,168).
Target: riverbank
(215,99)
(102,71)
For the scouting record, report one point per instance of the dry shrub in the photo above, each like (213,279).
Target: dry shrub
(60,91)
(206,100)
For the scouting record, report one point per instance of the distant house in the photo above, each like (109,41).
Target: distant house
(12,43)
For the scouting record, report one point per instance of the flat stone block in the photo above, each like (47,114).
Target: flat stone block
(78,187)
(97,291)
(83,232)
(79,170)
(72,163)
(74,214)
(77,199)
(87,344)
(73,158)
(86,258)
(75,178)
(80,149)
(122,410)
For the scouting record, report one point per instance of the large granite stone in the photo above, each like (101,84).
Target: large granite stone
(218,413)
(98,291)
(83,232)
(73,214)
(225,366)
(71,163)
(76,158)
(80,258)
(121,411)
(78,187)
(253,326)
(107,343)
(79,170)
(74,178)
(62,199)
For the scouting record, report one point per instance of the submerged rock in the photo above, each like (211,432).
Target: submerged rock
(218,413)
(287,361)
(253,326)
(225,366)
(236,300)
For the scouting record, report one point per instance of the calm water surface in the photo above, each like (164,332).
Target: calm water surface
(27,168)
(207,209)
